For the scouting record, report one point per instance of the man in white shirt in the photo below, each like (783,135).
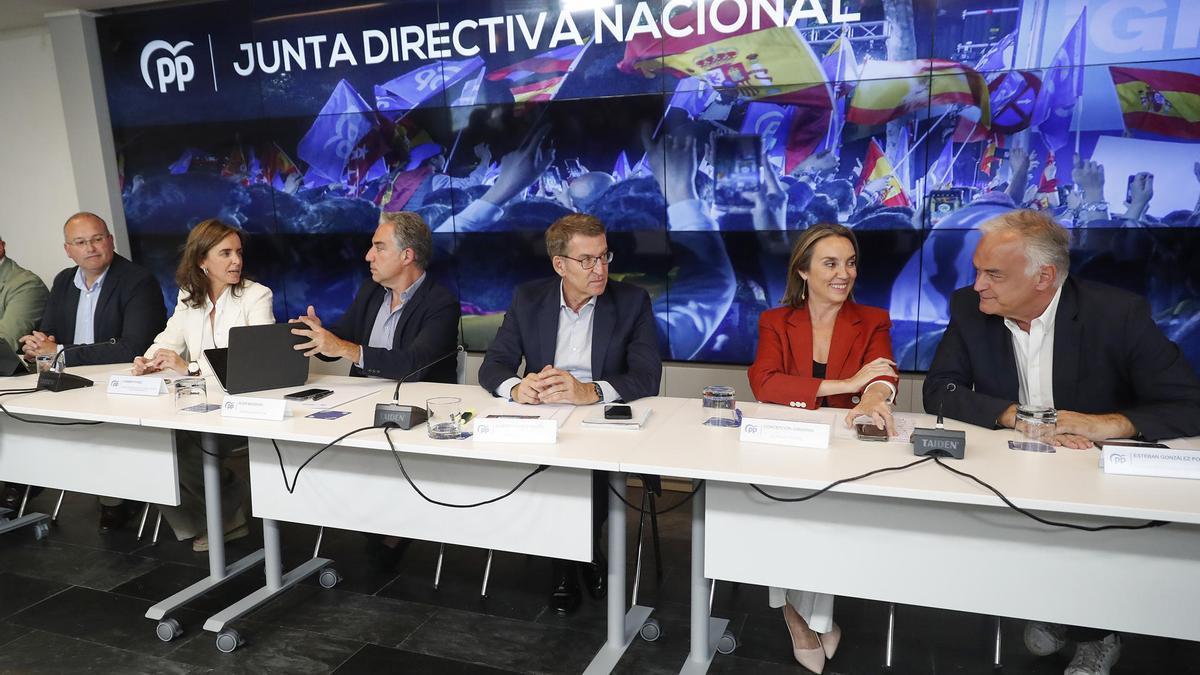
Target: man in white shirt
(584,339)
(1027,333)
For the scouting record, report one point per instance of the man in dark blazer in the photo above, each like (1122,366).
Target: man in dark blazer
(1027,334)
(103,297)
(585,339)
(400,321)
(128,305)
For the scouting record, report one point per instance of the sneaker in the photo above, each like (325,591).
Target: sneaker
(1044,639)
(1095,658)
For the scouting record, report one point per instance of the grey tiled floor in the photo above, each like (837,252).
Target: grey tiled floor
(75,601)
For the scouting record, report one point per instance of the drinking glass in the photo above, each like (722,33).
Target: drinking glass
(445,417)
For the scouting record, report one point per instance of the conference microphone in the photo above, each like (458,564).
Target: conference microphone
(940,441)
(403,416)
(54,380)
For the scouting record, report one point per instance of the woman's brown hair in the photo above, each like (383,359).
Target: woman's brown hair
(191,279)
(796,293)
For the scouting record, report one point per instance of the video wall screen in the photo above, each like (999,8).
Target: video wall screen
(706,135)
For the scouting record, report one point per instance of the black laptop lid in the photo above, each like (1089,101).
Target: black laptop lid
(261,358)
(218,360)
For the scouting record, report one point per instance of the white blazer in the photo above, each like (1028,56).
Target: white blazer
(189,332)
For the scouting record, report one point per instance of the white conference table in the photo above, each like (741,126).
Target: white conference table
(924,536)
(355,485)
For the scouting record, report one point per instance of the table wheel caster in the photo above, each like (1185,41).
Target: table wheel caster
(168,629)
(41,531)
(727,643)
(328,578)
(229,640)
(651,630)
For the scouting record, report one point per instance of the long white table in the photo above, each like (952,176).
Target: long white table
(355,485)
(925,536)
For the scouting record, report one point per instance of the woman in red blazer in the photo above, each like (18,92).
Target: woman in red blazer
(822,348)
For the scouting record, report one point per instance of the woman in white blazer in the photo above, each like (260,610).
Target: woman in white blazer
(213,297)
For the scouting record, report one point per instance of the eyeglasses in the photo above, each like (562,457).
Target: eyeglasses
(94,241)
(587,262)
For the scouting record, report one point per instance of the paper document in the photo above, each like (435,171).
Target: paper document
(905,423)
(545,411)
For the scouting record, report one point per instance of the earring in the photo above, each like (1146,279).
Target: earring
(803,288)
(205,270)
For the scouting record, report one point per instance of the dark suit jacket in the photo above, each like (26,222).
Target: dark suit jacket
(1109,357)
(782,368)
(428,329)
(130,308)
(624,342)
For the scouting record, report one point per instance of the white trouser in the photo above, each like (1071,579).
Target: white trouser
(815,608)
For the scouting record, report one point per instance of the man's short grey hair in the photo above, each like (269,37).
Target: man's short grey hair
(410,231)
(1046,242)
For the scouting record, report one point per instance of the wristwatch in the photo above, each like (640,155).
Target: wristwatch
(193,369)
(599,392)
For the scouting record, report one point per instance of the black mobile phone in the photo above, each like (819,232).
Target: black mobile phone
(1129,188)
(618,412)
(737,163)
(1131,444)
(870,432)
(307,394)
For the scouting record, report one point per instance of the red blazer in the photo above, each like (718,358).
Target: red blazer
(782,369)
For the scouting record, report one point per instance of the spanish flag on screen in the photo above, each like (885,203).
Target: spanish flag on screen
(877,166)
(1161,102)
(890,89)
(539,77)
(773,63)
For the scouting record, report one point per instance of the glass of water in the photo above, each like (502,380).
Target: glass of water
(1037,424)
(719,407)
(45,362)
(445,417)
(190,392)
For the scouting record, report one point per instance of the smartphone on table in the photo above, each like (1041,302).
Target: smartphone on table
(308,394)
(618,412)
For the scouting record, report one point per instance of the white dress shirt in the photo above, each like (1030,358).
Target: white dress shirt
(1034,352)
(572,349)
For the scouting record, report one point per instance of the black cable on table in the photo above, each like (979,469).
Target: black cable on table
(842,481)
(296,477)
(1033,516)
(658,511)
(29,421)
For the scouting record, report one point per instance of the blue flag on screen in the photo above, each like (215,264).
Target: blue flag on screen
(692,96)
(397,96)
(621,169)
(182,164)
(343,122)
(1061,88)
(941,173)
(1000,56)
(772,123)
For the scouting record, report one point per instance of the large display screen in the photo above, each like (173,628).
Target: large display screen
(705,134)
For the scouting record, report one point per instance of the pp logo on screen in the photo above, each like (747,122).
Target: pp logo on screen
(170,68)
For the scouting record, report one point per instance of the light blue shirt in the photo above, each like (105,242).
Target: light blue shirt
(85,313)
(383,331)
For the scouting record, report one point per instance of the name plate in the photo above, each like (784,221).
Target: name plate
(784,432)
(499,430)
(1161,462)
(249,407)
(133,385)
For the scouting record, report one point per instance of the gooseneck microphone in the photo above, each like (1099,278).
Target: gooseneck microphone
(53,380)
(940,441)
(406,417)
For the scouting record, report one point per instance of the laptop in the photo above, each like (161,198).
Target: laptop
(259,358)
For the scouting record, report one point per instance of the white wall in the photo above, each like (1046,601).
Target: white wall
(37,186)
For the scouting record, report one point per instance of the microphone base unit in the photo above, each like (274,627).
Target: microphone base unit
(399,415)
(939,442)
(52,381)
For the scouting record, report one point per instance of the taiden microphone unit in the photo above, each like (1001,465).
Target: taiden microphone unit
(940,441)
(404,416)
(52,380)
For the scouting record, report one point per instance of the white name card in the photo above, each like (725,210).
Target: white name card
(1161,462)
(512,430)
(253,408)
(133,385)
(784,432)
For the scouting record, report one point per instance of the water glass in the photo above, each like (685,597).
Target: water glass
(719,407)
(1037,423)
(44,362)
(189,392)
(445,417)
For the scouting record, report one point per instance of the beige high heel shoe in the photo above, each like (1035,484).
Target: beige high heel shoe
(813,659)
(830,640)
